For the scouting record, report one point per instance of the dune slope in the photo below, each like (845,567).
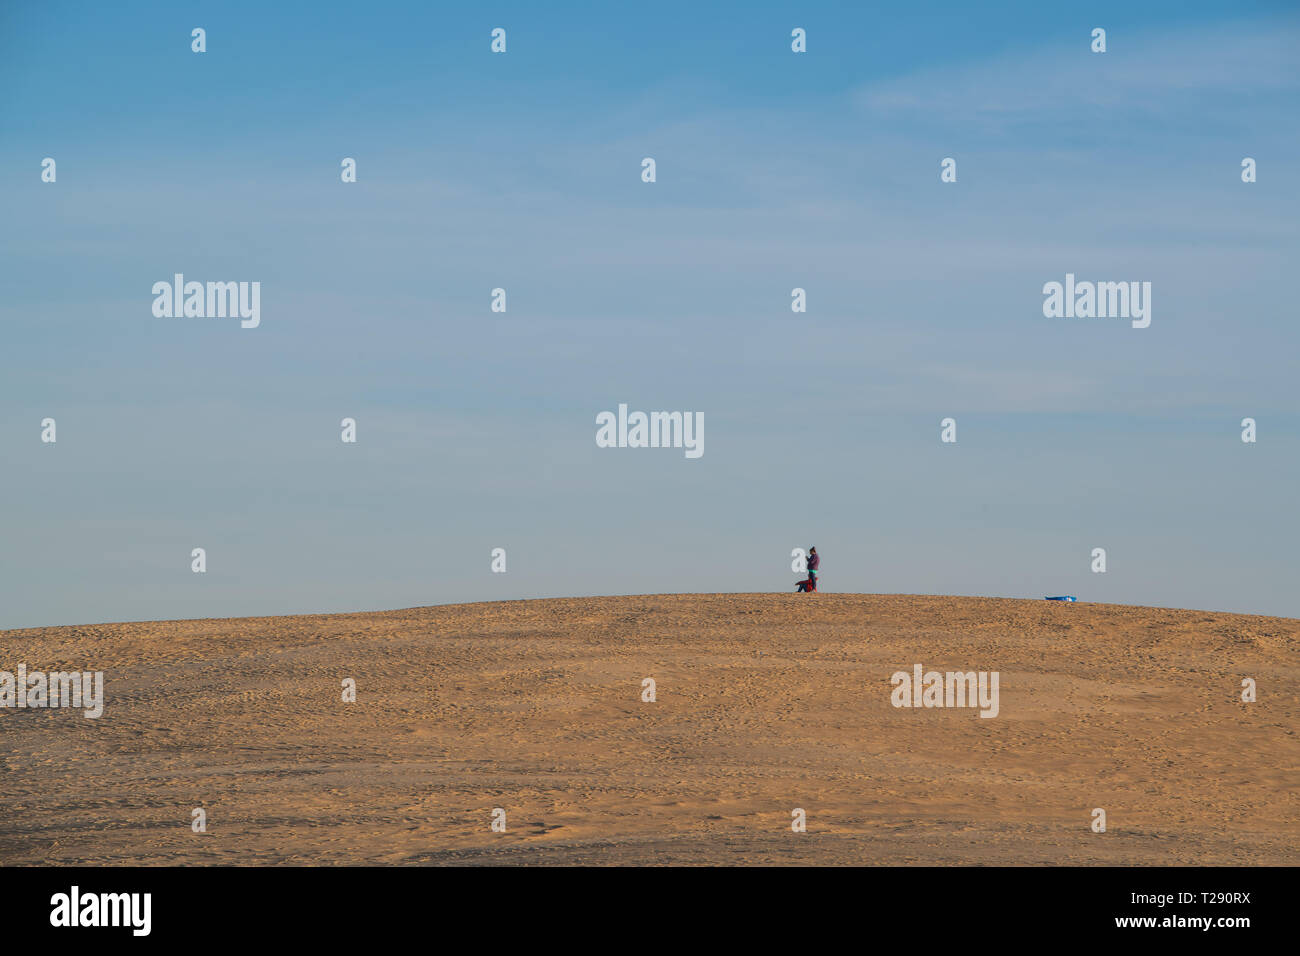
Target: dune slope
(764,703)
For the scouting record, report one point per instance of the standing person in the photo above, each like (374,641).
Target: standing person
(814,562)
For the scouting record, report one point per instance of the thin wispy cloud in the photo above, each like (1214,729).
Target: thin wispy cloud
(1166,71)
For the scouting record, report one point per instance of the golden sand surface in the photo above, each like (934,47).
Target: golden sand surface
(765,703)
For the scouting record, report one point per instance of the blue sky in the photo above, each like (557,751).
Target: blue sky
(775,170)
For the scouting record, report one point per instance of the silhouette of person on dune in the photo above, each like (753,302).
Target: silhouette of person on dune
(814,563)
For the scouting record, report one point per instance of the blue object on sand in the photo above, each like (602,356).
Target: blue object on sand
(1063,597)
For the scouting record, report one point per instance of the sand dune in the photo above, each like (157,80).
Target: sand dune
(765,703)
